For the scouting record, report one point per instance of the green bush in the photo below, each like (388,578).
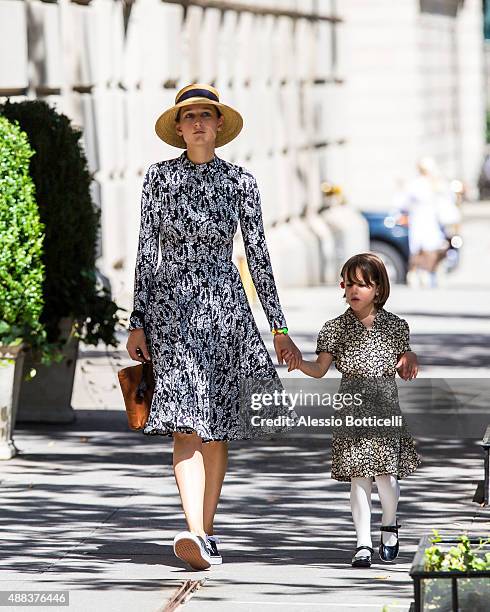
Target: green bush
(21,239)
(62,180)
(461,558)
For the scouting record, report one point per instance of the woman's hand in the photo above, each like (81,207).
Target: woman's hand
(284,346)
(408,366)
(137,342)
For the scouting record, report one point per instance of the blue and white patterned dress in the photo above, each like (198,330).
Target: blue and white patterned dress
(199,327)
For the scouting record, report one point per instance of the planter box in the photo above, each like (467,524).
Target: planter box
(11,363)
(46,398)
(449,591)
(486,481)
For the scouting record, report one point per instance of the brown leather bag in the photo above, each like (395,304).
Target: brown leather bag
(137,386)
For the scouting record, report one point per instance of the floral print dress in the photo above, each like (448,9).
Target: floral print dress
(199,327)
(367,359)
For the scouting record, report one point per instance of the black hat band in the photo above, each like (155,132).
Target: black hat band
(198,93)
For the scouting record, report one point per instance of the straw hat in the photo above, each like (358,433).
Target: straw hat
(198,93)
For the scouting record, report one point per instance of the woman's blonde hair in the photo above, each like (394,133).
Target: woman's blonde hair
(372,270)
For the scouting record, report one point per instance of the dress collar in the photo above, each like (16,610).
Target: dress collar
(380,313)
(187,163)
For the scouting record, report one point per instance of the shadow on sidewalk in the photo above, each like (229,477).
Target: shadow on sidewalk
(88,500)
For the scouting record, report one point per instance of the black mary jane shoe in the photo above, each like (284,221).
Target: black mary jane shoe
(364,560)
(389,553)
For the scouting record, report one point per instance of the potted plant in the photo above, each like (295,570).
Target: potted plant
(21,273)
(451,574)
(77,307)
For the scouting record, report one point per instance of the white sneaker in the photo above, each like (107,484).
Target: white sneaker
(413,279)
(424,276)
(192,549)
(216,558)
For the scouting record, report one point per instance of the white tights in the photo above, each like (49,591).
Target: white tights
(360,500)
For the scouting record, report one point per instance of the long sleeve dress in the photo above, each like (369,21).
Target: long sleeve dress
(199,327)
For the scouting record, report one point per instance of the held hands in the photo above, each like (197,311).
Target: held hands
(408,366)
(136,345)
(287,351)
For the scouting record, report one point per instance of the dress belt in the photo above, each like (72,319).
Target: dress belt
(200,263)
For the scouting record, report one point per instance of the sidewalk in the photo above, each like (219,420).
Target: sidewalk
(92,507)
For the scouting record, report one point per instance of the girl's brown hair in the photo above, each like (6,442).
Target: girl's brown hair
(371,270)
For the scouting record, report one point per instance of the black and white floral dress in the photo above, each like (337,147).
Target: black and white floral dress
(367,359)
(200,330)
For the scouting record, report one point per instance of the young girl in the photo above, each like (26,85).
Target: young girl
(368,342)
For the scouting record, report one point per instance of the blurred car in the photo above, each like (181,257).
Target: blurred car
(388,238)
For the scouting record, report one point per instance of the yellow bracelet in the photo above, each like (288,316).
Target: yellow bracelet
(281,330)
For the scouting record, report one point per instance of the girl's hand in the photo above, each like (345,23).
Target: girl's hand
(408,366)
(289,359)
(136,345)
(284,345)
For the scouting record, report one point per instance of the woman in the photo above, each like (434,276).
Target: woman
(422,201)
(191,316)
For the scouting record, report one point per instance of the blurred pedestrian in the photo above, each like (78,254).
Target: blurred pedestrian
(429,203)
(191,316)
